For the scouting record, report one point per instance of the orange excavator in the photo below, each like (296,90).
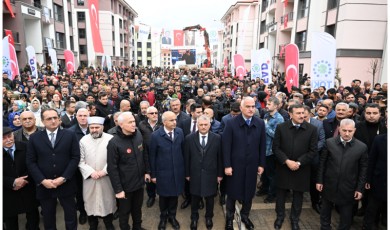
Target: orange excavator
(207,62)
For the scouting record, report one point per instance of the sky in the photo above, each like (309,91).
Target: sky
(177,14)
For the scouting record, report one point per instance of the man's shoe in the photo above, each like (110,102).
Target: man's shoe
(162,225)
(316,207)
(116,214)
(229,224)
(82,218)
(295,226)
(209,223)
(150,202)
(269,199)
(174,223)
(222,200)
(201,204)
(194,225)
(185,203)
(278,224)
(261,192)
(248,223)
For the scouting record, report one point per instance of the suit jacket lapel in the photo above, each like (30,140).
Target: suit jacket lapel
(59,135)
(210,138)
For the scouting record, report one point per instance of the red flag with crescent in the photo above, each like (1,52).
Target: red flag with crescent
(8,33)
(225,67)
(69,61)
(178,39)
(14,61)
(93,7)
(240,66)
(285,21)
(9,7)
(291,66)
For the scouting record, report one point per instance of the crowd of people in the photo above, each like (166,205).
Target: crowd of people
(95,139)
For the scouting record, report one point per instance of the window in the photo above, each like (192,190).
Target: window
(300,40)
(58,13)
(149,36)
(231,29)
(331,30)
(113,35)
(120,9)
(80,2)
(112,20)
(60,40)
(139,53)
(303,8)
(262,27)
(120,23)
(71,43)
(83,49)
(81,16)
(81,33)
(332,4)
(264,4)
(149,63)
(237,28)
(113,51)
(121,50)
(149,44)
(261,45)
(70,19)
(120,37)
(149,54)
(140,62)
(139,44)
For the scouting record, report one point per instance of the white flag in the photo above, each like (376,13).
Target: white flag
(103,60)
(109,64)
(53,56)
(32,60)
(261,65)
(6,58)
(143,33)
(323,60)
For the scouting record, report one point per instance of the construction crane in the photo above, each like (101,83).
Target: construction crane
(207,62)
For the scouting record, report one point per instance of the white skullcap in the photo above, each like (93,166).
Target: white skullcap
(95,120)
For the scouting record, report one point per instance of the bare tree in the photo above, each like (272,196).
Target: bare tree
(374,67)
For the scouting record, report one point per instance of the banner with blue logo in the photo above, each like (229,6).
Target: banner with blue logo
(261,65)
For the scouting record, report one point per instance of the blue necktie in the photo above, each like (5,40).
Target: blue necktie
(203,141)
(248,122)
(10,153)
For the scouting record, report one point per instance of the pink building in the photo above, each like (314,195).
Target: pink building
(359,29)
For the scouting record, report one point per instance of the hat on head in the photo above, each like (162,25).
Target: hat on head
(95,120)
(7,130)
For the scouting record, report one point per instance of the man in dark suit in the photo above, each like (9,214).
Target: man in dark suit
(68,119)
(18,187)
(175,108)
(28,127)
(53,156)
(243,147)
(295,145)
(203,164)
(166,39)
(189,126)
(331,125)
(342,175)
(167,167)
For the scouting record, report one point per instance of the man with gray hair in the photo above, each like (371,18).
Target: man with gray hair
(28,127)
(342,174)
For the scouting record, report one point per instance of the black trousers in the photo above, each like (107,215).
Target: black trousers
(49,212)
(187,194)
(296,206)
(222,186)
(345,212)
(314,193)
(168,206)
(195,207)
(132,204)
(151,189)
(11,223)
(269,175)
(79,193)
(230,207)
(94,221)
(374,207)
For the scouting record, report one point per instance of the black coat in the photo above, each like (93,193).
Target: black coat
(77,130)
(203,165)
(22,200)
(297,145)
(104,111)
(66,122)
(342,170)
(18,134)
(243,149)
(363,134)
(181,117)
(330,125)
(186,126)
(377,168)
(46,162)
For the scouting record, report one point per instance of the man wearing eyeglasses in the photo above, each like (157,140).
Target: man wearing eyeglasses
(28,127)
(52,159)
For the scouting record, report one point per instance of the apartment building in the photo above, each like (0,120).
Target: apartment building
(64,24)
(359,28)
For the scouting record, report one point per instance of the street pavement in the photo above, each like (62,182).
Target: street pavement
(262,215)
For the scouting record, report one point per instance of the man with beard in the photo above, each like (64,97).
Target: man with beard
(128,169)
(104,109)
(99,197)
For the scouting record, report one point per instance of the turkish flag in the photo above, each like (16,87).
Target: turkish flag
(69,61)
(14,61)
(8,4)
(10,37)
(285,3)
(291,66)
(93,7)
(285,21)
(240,66)
(225,67)
(178,39)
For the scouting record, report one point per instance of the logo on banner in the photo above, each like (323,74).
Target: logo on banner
(32,64)
(261,71)
(5,62)
(322,68)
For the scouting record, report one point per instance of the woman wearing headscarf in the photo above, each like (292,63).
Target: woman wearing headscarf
(35,107)
(14,121)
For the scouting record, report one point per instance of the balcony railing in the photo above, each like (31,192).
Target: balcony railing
(282,51)
(290,17)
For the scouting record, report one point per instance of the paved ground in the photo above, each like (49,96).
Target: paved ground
(262,215)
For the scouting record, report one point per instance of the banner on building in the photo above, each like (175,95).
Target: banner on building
(239,64)
(291,66)
(213,37)
(46,14)
(189,38)
(178,38)
(53,57)
(6,58)
(261,65)
(323,60)
(32,60)
(93,6)
(187,55)
(69,61)
(143,33)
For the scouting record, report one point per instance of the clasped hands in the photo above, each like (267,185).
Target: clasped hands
(292,165)
(48,183)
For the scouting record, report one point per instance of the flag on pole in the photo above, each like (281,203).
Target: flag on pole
(103,61)
(10,37)
(32,60)
(109,63)
(323,60)
(9,7)
(93,6)
(14,61)
(225,67)
(178,38)
(291,66)
(53,57)
(6,58)
(69,61)
(261,65)
(240,66)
